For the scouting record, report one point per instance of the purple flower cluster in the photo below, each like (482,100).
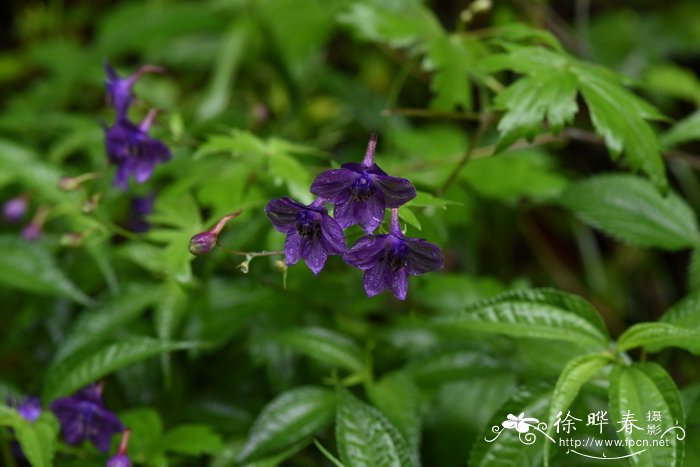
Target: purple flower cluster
(83,417)
(360,194)
(129,147)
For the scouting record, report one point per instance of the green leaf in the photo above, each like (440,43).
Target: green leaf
(619,117)
(37,439)
(538,313)
(94,325)
(632,210)
(28,266)
(673,81)
(169,311)
(290,418)
(92,363)
(366,438)
(572,378)
(398,398)
(327,454)
(532,174)
(682,132)
(656,336)
(407,215)
(685,313)
(641,388)
(507,449)
(326,346)
(693,277)
(549,94)
(451,61)
(446,365)
(192,440)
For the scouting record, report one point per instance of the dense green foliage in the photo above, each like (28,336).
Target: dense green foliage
(552,147)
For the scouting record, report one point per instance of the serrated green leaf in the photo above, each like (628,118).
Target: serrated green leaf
(326,346)
(92,363)
(507,450)
(685,313)
(449,58)
(290,418)
(28,266)
(682,132)
(656,336)
(446,365)
(538,313)
(192,440)
(572,378)
(398,398)
(94,325)
(636,390)
(631,209)
(366,438)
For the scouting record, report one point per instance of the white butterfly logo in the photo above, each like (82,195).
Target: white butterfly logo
(521,424)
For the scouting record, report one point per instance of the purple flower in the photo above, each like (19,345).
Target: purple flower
(121,459)
(361,192)
(312,234)
(14,209)
(134,152)
(141,206)
(84,417)
(119,93)
(388,260)
(30,408)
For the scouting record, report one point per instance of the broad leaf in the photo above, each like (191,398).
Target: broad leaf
(685,313)
(30,267)
(326,346)
(451,60)
(632,210)
(656,336)
(539,313)
(290,418)
(398,398)
(682,132)
(366,438)
(92,363)
(193,440)
(576,373)
(637,390)
(37,439)
(446,365)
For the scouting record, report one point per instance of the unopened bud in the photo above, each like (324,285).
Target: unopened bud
(15,209)
(73,183)
(90,204)
(202,243)
(280,265)
(72,239)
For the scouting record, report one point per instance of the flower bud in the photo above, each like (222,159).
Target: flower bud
(73,183)
(202,243)
(121,459)
(14,209)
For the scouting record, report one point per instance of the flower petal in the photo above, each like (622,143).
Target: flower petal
(398,282)
(332,237)
(423,257)
(343,212)
(396,191)
(331,184)
(314,255)
(104,425)
(374,280)
(509,424)
(292,248)
(283,213)
(366,253)
(369,214)
(522,427)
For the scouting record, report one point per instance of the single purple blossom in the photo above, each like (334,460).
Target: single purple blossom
(15,209)
(388,260)
(121,459)
(119,93)
(133,151)
(361,192)
(312,235)
(30,408)
(83,417)
(141,206)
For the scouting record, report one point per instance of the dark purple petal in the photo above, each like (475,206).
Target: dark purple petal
(423,257)
(104,425)
(314,255)
(30,408)
(374,280)
(292,248)
(282,212)
(14,209)
(119,460)
(332,237)
(344,214)
(369,213)
(396,191)
(332,184)
(398,282)
(366,252)
(355,167)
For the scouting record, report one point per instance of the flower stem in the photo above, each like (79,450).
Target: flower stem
(369,154)
(395,226)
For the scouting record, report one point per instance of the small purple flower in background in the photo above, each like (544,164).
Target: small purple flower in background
(121,459)
(15,209)
(388,260)
(119,93)
(312,235)
(141,206)
(84,417)
(30,408)
(134,152)
(361,192)
(35,228)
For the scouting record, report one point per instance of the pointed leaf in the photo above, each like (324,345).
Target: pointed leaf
(657,336)
(398,398)
(326,346)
